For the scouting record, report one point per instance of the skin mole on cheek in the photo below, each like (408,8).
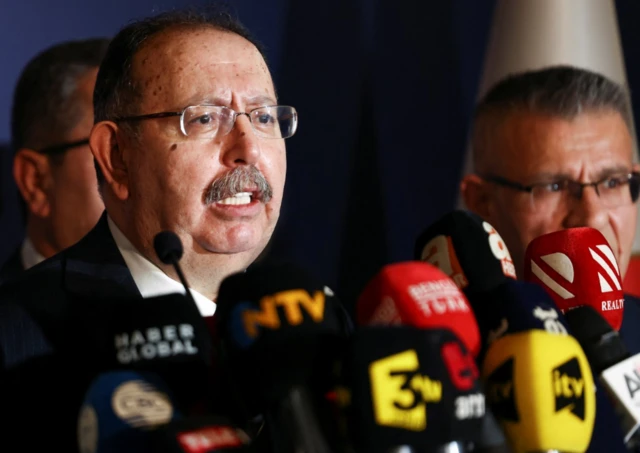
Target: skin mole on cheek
(174,147)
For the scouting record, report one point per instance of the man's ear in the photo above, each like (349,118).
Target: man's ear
(32,174)
(476,195)
(107,149)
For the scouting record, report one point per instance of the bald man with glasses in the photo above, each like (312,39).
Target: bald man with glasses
(553,149)
(53,168)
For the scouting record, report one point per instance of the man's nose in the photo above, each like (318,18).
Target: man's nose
(242,145)
(586,210)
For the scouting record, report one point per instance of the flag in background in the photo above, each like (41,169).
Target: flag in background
(532,34)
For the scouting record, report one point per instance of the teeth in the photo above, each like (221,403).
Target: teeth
(239,198)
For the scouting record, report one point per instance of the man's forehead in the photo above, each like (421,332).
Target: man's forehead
(200,63)
(526,138)
(202,49)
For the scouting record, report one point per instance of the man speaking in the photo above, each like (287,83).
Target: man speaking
(188,137)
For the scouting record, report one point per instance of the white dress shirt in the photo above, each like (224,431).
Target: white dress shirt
(149,278)
(29,254)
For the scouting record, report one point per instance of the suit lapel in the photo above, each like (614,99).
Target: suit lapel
(94,267)
(13,267)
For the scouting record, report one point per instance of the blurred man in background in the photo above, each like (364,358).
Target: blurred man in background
(553,149)
(53,168)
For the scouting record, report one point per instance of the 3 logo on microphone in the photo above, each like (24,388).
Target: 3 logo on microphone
(406,406)
(401,392)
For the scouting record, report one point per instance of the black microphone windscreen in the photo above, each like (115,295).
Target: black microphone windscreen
(515,306)
(410,387)
(168,247)
(601,343)
(467,249)
(164,334)
(278,327)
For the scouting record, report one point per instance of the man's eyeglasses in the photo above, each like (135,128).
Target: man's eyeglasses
(63,147)
(211,121)
(614,191)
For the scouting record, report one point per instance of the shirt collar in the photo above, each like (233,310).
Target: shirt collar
(29,254)
(149,278)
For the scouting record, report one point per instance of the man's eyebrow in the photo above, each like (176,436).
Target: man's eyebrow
(612,170)
(261,100)
(548,176)
(199,99)
(604,173)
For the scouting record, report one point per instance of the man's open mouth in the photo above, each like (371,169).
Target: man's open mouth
(238,199)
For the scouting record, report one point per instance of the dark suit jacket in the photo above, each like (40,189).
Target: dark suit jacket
(43,376)
(630,330)
(12,267)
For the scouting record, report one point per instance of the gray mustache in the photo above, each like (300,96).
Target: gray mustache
(236,181)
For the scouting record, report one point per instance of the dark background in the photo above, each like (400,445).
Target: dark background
(384,89)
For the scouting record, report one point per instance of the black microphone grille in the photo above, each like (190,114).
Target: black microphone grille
(168,247)
(601,344)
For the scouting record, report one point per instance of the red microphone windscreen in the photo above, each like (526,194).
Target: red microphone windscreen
(577,267)
(418,294)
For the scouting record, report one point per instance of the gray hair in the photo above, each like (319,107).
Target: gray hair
(560,91)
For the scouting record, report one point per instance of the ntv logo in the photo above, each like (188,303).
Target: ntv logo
(155,342)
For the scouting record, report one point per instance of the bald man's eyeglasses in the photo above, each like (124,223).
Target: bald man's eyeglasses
(214,121)
(614,191)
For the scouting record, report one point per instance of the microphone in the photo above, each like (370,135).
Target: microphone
(411,294)
(120,410)
(406,388)
(168,247)
(577,267)
(128,411)
(513,307)
(467,249)
(165,335)
(472,253)
(541,389)
(419,295)
(502,306)
(280,333)
(609,358)
(206,434)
